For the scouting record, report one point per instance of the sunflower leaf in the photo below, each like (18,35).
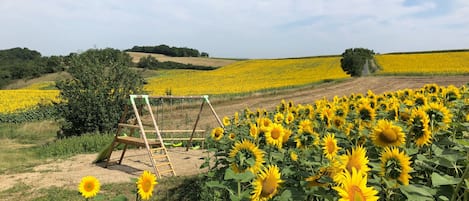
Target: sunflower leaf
(438,180)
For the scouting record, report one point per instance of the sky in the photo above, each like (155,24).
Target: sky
(236,28)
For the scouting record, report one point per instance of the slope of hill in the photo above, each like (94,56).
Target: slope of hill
(200,61)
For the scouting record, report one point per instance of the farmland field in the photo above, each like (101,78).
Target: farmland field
(75,165)
(446,63)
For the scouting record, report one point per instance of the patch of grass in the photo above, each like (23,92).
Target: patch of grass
(87,143)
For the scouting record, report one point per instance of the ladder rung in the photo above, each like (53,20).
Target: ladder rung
(166,171)
(128,125)
(159,156)
(157,149)
(162,164)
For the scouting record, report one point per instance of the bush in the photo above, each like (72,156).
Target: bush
(94,98)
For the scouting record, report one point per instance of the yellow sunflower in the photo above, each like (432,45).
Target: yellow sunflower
(264,124)
(232,136)
(253,130)
(236,118)
(293,156)
(395,165)
(353,187)
(419,129)
(366,113)
(226,121)
(286,135)
(420,99)
(274,136)
(338,121)
(290,118)
(313,180)
(386,134)
(330,146)
(356,159)
(440,116)
(243,151)
(266,184)
(89,186)
(278,118)
(431,88)
(467,117)
(217,133)
(145,184)
(451,93)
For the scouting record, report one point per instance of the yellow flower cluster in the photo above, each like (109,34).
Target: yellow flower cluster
(17,100)
(247,76)
(427,63)
(340,143)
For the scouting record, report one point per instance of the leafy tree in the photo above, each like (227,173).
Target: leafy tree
(353,60)
(94,98)
(147,62)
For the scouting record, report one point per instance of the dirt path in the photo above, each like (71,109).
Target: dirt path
(67,173)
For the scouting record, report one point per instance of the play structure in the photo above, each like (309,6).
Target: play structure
(161,121)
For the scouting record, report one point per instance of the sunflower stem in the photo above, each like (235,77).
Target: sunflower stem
(239,190)
(455,193)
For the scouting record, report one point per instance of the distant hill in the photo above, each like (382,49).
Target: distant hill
(200,61)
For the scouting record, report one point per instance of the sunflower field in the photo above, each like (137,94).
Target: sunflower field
(247,76)
(410,144)
(12,101)
(446,63)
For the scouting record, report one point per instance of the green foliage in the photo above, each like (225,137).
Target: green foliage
(94,98)
(42,112)
(169,51)
(20,63)
(87,143)
(153,64)
(353,60)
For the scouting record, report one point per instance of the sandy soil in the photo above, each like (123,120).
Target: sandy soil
(67,173)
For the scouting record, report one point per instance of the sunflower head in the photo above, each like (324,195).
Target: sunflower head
(290,118)
(226,121)
(451,93)
(439,115)
(395,165)
(278,117)
(387,134)
(267,183)
(217,133)
(353,187)
(420,99)
(431,88)
(419,128)
(355,159)
(366,113)
(330,146)
(246,156)
(294,156)
(145,184)
(274,136)
(89,186)
(253,130)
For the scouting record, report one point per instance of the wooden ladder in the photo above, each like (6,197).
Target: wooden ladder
(156,149)
(158,156)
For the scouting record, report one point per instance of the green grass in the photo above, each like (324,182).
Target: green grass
(172,188)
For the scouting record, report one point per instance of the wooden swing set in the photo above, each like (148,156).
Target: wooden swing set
(139,130)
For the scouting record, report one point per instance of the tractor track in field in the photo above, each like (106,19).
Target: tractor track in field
(68,173)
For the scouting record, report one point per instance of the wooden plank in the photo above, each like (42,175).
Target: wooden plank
(182,139)
(136,141)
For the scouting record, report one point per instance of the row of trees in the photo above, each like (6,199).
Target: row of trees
(23,63)
(169,51)
(150,62)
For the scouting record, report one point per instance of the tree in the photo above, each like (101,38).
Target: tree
(93,99)
(147,62)
(353,60)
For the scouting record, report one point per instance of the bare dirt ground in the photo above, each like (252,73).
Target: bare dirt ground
(68,173)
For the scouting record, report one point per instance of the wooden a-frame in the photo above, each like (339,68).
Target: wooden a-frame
(156,149)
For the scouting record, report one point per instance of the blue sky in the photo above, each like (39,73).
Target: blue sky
(236,28)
